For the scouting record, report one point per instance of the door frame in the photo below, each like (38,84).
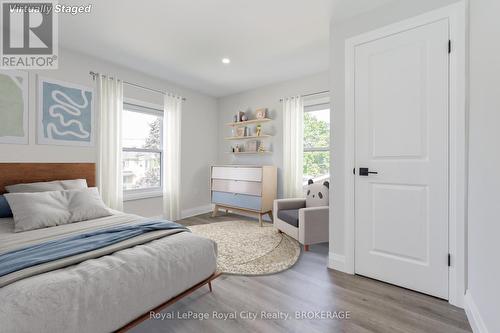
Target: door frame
(458,119)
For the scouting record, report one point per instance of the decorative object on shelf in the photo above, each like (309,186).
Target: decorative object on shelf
(261,149)
(237,149)
(14,102)
(65,113)
(258,130)
(252,145)
(261,113)
(235,118)
(240,115)
(240,131)
(244,117)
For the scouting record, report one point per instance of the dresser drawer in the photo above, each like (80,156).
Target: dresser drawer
(237,200)
(248,174)
(237,186)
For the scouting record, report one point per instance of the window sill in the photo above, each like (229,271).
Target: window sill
(133,195)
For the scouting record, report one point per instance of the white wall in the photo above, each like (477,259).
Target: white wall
(483,293)
(199,144)
(267,96)
(393,12)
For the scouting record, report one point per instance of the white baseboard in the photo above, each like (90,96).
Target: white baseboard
(196,211)
(336,261)
(473,314)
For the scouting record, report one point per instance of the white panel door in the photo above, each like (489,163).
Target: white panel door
(401,115)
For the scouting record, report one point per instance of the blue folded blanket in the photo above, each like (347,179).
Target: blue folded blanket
(65,247)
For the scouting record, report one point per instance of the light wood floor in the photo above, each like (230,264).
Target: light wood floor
(309,286)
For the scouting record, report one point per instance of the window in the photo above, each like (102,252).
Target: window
(316,142)
(142,151)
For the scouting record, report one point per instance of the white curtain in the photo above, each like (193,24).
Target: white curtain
(172,157)
(293,134)
(109,166)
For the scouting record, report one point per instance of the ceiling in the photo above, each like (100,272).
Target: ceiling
(346,9)
(183,41)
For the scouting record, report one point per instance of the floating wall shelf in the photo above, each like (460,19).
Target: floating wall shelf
(251,152)
(253,121)
(263,136)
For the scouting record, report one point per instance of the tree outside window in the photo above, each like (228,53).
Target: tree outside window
(316,144)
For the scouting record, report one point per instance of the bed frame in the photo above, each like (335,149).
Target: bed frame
(171,301)
(17,173)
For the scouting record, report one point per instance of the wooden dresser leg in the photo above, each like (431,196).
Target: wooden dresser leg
(271,216)
(306,247)
(210,286)
(260,219)
(216,208)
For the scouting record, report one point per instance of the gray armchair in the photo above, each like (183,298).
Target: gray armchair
(308,225)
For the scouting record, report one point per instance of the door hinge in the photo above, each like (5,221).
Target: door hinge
(449,45)
(449,260)
(353,171)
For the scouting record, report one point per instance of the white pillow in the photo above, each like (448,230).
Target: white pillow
(38,210)
(56,185)
(86,204)
(74,184)
(48,209)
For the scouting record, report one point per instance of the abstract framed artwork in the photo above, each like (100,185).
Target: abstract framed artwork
(65,113)
(14,107)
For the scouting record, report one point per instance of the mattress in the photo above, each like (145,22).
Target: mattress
(102,294)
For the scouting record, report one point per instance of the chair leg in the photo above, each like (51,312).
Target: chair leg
(271,216)
(306,247)
(210,286)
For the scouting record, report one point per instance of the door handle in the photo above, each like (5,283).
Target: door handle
(366,172)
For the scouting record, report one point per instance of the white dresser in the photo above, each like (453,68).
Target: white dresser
(244,188)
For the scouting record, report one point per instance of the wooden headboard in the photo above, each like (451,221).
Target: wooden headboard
(17,173)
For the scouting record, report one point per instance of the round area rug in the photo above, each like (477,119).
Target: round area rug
(245,248)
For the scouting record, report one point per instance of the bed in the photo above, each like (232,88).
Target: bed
(110,290)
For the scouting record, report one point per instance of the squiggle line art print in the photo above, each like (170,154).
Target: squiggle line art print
(71,108)
(66,113)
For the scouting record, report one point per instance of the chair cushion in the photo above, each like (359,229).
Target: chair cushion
(290,216)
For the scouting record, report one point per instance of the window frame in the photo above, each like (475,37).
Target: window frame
(317,105)
(132,105)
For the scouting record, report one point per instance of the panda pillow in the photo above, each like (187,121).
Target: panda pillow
(317,194)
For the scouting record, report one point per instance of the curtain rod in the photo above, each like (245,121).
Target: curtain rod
(312,94)
(94,74)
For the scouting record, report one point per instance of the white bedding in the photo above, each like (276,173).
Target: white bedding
(104,294)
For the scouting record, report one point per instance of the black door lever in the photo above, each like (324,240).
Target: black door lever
(366,172)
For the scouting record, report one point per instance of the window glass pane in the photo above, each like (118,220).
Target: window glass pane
(317,129)
(141,130)
(316,166)
(141,170)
